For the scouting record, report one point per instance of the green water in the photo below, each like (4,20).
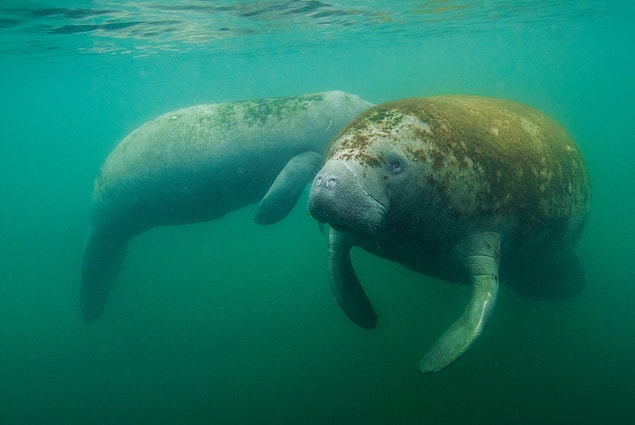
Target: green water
(228,322)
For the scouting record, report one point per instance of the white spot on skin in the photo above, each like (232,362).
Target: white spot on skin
(328,127)
(531,128)
(426,127)
(409,120)
(494,131)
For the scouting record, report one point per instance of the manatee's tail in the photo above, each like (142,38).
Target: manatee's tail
(103,257)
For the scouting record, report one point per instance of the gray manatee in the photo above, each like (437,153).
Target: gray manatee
(449,186)
(197,164)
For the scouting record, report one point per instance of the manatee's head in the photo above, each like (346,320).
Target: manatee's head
(367,172)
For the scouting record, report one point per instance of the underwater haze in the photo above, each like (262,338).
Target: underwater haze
(230,322)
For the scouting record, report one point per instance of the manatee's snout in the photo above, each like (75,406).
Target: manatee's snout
(323,195)
(342,199)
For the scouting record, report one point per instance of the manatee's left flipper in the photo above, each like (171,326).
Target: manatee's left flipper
(481,255)
(287,188)
(349,293)
(103,257)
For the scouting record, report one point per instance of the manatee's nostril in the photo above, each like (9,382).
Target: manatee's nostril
(331,183)
(318,181)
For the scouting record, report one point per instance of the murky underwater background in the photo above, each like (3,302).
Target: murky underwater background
(228,322)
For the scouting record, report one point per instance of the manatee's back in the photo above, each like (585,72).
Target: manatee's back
(534,170)
(189,165)
(164,165)
(503,163)
(198,163)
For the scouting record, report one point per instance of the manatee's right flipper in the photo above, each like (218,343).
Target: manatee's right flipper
(480,254)
(287,188)
(346,287)
(103,257)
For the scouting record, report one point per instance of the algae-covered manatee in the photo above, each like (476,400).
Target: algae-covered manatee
(450,186)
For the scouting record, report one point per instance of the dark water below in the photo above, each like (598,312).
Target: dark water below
(229,322)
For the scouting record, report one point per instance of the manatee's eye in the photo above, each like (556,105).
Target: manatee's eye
(394,162)
(396,166)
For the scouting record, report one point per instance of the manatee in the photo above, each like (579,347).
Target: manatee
(450,186)
(196,164)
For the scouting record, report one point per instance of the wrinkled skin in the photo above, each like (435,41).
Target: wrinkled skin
(449,186)
(199,163)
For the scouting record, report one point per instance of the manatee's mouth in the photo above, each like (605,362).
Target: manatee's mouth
(369,222)
(362,227)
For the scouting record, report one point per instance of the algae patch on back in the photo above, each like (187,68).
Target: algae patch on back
(261,111)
